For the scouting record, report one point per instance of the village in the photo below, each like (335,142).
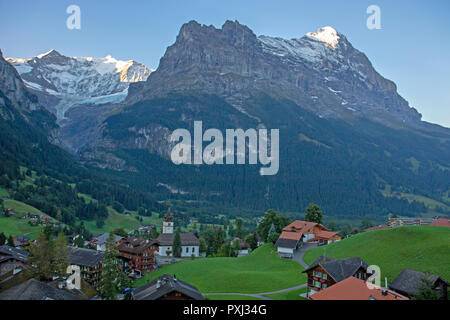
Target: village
(133,265)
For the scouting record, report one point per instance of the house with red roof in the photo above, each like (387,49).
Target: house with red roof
(299,231)
(441,222)
(353,288)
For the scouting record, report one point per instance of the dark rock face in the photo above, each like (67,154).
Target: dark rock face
(321,72)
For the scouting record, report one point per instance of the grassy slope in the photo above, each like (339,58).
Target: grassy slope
(14,225)
(422,248)
(261,271)
(116,220)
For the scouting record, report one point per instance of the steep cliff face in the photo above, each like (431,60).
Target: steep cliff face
(321,72)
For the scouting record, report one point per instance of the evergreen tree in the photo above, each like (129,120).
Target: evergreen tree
(252,241)
(426,291)
(366,223)
(235,248)
(10,241)
(176,246)
(272,218)
(273,235)
(313,213)
(124,282)
(41,258)
(3,239)
(239,228)
(61,256)
(218,240)
(203,245)
(108,287)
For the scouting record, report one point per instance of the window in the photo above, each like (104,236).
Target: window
(317,274)
(193,249)
(324,286)
(324,276)
(187,249)
(316,284)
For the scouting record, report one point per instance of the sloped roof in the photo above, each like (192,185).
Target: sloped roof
(441,222)
(301,226)
(409,281)
(355,289)
(163,285)
(14,252)
(291,235)
(338,269)
(135,245)
(187,239)
(84,257)
(286,243)
(326,234)
(102,239)
(36,290)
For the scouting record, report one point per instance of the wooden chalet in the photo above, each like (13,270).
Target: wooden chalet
(356,289)
(409,281)
(326,237)
(12,259)
(167,287)
(138,254)
(90,263)
(298,232)
(325,271)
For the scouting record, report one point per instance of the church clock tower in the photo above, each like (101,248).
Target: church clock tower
(168,223)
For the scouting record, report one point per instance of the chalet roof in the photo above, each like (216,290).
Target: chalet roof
(14,252)
(286,243)
(84,257)
(355,289)
(409,281)
(187,239)
(291,235)
(301,226)
(326,234)
(135,245)
(338,269)
(36,290)
(441,222)
(163,285)
(102,239)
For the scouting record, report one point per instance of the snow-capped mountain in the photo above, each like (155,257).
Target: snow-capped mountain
(320,71)
(62,82)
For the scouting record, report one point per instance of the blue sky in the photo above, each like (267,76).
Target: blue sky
(412,48)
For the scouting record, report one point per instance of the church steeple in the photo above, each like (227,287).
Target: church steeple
(168,223)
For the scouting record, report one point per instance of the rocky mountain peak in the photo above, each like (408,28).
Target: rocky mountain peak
(328,35)
(321,71)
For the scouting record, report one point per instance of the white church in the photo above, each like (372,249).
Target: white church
(190,245)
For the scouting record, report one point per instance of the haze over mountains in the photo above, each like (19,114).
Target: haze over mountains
(346,135)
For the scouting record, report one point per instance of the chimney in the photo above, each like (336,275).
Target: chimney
(385,282)
(158,284)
